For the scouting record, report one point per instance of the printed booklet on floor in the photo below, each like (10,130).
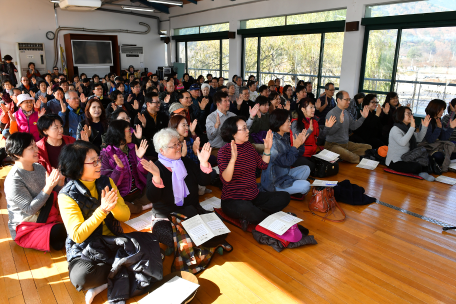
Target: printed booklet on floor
(204,227)
(211,203)
(141,222)
(279,222)
(175,291)
(323,183)
(368,164)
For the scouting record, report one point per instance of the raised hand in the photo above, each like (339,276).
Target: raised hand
(37,104)
(239,101)
(438,121)
(167,98)
(299,139)
(142,119)
(43,99)
(138,132)
(108,199)
(233,151)
(254,111)
(204,155)
(84,136)
(318,104)
(142,148)
(33,94)
(196,145)
(135,105)
(83,98)
(203,103)
(378,111)
(331,121)
(184,148)
(365,112)
(118,161)
(5,110)
(88,130)
(192,126)
(41,112)
(426,121)
(451,107)
(412,123)
(217,121)
(387,108)
(129,98)
(79,88)
(342,117)
(12,116)
(51,180)
(63,106)
(268,142)
(151,167)
(287,105)
(113,106)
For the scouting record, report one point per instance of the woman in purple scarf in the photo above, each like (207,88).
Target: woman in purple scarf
(172,182)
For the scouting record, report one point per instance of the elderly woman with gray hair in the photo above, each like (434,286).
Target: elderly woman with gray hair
(172,182)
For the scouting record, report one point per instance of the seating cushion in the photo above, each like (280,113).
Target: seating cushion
(404,174)
(231,220)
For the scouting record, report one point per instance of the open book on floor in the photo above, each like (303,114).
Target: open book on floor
(204,227)
(279,222)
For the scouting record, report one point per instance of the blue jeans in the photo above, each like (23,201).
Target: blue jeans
(300,185)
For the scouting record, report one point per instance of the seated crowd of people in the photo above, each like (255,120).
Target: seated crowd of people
(89,153)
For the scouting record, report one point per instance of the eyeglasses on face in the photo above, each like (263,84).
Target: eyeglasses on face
(95,163)
(409,113)
(374,102)
(176,146)
(245,129)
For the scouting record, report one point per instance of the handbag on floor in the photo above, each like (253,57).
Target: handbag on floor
(324,168)
(323,201)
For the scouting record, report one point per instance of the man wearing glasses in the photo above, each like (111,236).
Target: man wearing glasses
(151,120)
(98,93)
(337,135)
(72,114)
(325,104)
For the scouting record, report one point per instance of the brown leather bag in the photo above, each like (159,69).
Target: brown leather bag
(323,201)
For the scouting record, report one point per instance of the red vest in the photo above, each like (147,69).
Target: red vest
(311,141)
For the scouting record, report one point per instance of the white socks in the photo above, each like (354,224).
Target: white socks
(91,293)
(148,206)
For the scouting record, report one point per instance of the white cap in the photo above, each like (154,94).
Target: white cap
(23,97)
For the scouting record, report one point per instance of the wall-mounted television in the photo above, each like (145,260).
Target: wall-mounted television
(92,53)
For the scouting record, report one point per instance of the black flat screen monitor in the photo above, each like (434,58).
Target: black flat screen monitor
(92,52)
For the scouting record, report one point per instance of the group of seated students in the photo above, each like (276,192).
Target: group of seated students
(84,163)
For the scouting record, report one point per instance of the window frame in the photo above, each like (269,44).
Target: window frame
(399,23)
(286,30)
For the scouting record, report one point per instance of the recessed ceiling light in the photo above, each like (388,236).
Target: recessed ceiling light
(171,2)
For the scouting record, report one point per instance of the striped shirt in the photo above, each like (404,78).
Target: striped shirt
(243,185)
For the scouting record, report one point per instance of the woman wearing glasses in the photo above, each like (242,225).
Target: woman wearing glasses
(238,162)
(403,139)
(371,131)
(34,219)
(121,162)
(90,206)
(172,182)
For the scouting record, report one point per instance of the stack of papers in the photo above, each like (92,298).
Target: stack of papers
(328,156)
(175,291)
(446,180)
(368,164)
(279,222)
(202,228)
(216,169)
(211,203)
(323,183)
(141,222)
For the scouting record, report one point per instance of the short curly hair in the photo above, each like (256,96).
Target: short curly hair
(229,128)
(72,158)
(163,137)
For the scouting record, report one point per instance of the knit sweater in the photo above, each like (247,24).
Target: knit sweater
(339,132)
(243,184)
(24,195)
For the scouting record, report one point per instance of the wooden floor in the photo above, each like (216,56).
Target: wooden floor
(378,255)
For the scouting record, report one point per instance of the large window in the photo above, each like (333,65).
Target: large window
(410,7)
(415,59)
(219,27)
(205,57)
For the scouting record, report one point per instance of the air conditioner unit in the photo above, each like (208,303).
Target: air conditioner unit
(131,55)
(80,5)
(30,52)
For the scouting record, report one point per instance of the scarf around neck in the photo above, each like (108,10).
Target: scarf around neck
(179,173)
(404,128)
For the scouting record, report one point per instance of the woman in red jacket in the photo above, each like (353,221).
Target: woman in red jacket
(306,120)
(50,127)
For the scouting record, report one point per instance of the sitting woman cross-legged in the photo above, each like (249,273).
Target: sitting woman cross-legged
(34,219)
(403,139)
(172,182)
(279,176)
(238,162)
(121,162)
(91,206)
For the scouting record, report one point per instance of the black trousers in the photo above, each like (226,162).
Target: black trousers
(406,167)
(256,210)
(85,274)
(58,236)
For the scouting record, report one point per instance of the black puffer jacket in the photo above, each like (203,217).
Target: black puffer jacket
(136,263)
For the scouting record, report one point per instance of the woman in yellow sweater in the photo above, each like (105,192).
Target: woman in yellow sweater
(90,206)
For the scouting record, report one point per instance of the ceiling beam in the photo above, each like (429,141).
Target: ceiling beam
(193,1)
(156,6)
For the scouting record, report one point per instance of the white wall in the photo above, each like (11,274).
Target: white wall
(33,27)
(210,12)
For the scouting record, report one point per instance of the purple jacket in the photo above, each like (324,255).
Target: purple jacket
(122,176)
